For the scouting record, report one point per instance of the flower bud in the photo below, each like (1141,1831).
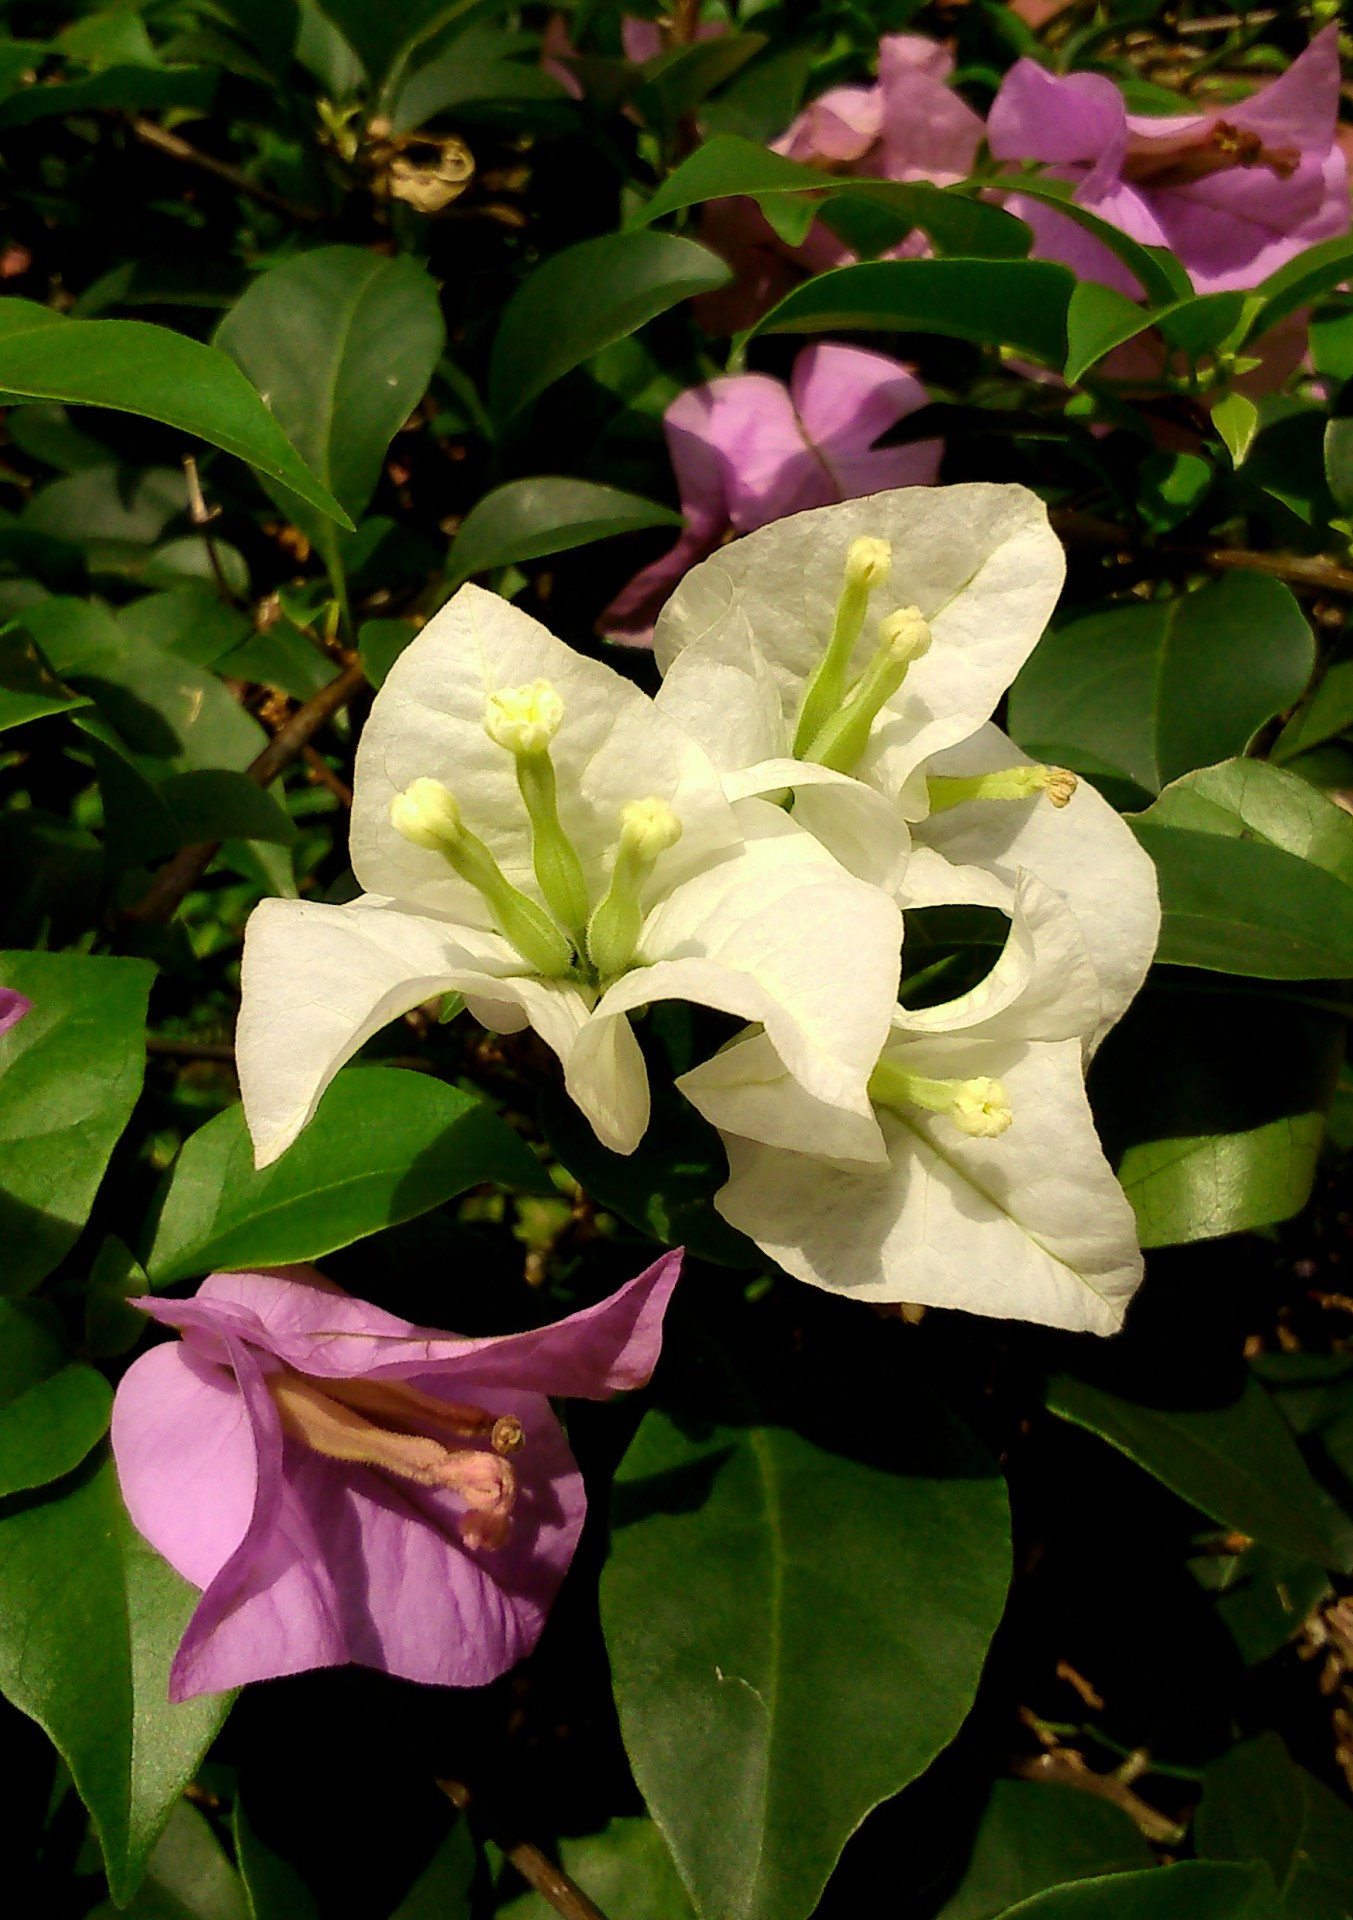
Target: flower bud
(426,814)
(524,720)
(906,634)
(648,828)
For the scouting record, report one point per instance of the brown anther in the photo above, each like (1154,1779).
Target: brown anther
(1178,161)
(509,1435)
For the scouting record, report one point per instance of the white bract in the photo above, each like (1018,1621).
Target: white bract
(995,1195)
(532,832)
(853,655)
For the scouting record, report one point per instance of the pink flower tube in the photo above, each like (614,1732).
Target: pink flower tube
(347,1487)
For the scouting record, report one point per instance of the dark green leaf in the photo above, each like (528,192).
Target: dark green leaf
(70,1072)
(1304,279)
(1145,692)
(1193,1890)
(380,643)
(341,343)
(473,70)
(1162,278)
(1256,875)
(49,1429)
(1221,1136)
(377,32)
(189,1877)
(758,1739)
(1098,319)
(1238,1464)
(28,687)
(626,1869)
(527,519)
(94,1670)
(136,368)
(215,805)
(728,164)
(1038,1835)
(585,298)
(133,89)
(677,82)
(957,224)
(1339,449)
(997,303)
(1257,1804)
(386,1144)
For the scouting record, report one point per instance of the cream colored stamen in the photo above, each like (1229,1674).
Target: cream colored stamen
(331,1420)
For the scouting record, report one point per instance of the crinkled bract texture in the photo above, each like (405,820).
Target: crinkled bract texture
(1029,1224)
(309,1560)
(741,913)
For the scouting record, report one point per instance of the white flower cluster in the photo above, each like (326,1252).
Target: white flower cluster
(535,833)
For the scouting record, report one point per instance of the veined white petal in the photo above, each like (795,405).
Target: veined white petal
(613,745)
(606,1077)
(1029,1226)
(319,981)
(1085,851)
(747,1090)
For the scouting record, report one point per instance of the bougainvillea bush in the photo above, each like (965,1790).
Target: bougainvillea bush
(676,922)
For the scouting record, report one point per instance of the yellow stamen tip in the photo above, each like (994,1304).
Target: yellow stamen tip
(868,563)
(523,719)
(906,634)
(648,828)
(1060,785)
(426,814)
(981,1108)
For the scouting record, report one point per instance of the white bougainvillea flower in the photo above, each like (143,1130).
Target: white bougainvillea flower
(995,1196)
(864,637)
(770,658)
(532,832)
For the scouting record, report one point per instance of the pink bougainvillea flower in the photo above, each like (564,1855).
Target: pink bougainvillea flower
(13,1007)
(1234,193)
(346,1487)
(909,125)
(747,450)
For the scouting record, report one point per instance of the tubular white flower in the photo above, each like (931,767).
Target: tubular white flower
(992,1195)
(734,906)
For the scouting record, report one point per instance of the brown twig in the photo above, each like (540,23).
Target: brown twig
(1068,1769)
(1311,572)
(549,1881)
(323,775)
(202,516)
(190,1049)
(177,877)
(153,135)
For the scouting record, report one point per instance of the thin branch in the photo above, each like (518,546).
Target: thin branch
(202,516)
(540,1872)
(161,900)
(1312,573)
(153,135)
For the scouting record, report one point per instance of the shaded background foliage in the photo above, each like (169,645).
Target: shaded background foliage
(800,1666)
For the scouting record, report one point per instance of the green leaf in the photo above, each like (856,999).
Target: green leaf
(380,643)
(132,89)
(1144,692)
(189,1877)
(377,32)
(956,223)
(385,1144)
(1221,1136)
(1257,1804)
(527,519)
(760,1737)
(626,1869)
(728,164)
(1163,279)
(1036,1835)
(342,344)
(1256,874)
(1238,1464)
(1098,319)
(584,299)
(93,1669)
(137,368)
(997,303)
(1193,1890)
(28,688)
(475,69)
(211,804)
(1328,714)
(70,1072)
(46,1431)
(1339,449)
(1312,273)
(1236,419)
(678,81)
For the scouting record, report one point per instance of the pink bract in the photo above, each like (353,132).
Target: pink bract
(746,450)
(306,1559)
(908,125)
(13,1007)
(1235,193)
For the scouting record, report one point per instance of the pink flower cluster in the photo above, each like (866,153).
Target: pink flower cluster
(1233,193)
